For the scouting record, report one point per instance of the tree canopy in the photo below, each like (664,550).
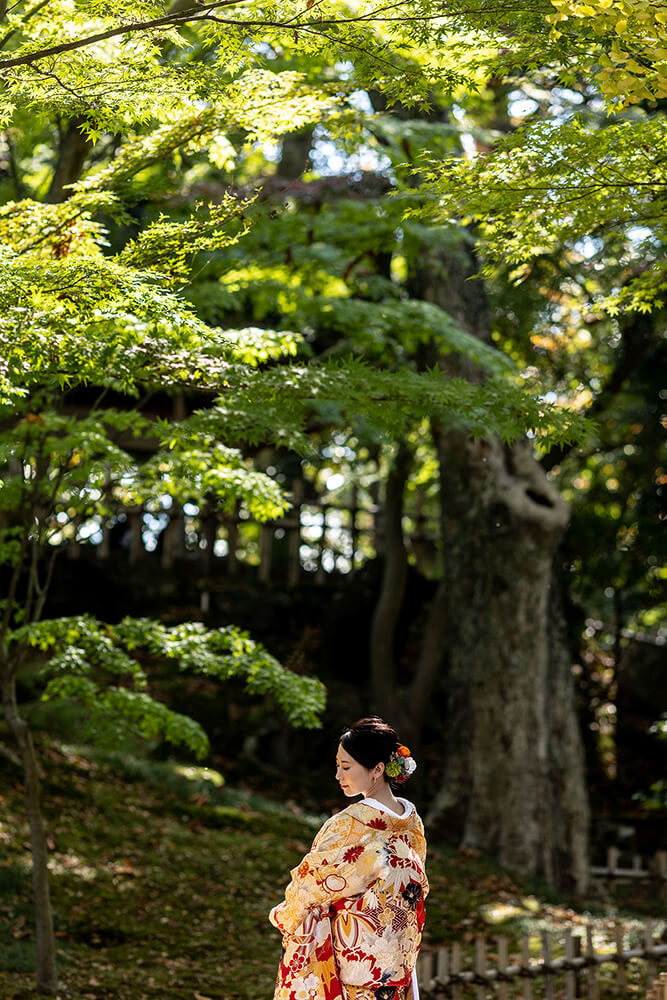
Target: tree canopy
(387,222)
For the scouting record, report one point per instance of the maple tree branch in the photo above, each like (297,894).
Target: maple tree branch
(198,14)
(26,17)
(167,21)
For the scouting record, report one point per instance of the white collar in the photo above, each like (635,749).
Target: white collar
(408,807)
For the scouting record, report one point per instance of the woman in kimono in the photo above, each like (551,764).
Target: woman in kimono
(353,912)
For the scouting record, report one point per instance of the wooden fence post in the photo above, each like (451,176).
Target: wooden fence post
(294,543)
(570,979)
(526,970)
(265,553)
(320,574)
(613,854)
(424,970)
(480,965)
(591,971)
(354,531)
(502,944)
(548,976)
(658,991)
(233,543)
(651,968)
(442,967)
(135,524)
(576,946)
(456,969)
(173,545)
(620,959)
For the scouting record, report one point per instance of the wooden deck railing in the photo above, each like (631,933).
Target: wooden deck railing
(316,539)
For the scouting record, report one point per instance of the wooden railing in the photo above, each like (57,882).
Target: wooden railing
(316,539)
(639,868)
(568,965)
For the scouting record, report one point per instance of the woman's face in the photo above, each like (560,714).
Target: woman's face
(353,777)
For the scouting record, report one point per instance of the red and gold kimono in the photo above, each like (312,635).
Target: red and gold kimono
(353,913)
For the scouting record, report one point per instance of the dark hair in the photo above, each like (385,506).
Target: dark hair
(370,741)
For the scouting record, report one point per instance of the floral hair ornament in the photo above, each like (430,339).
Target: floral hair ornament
(400,765)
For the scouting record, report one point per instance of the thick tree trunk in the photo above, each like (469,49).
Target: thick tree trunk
(513,778)
(513,783)
(47,976)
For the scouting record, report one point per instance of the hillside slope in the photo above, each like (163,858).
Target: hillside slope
(162,883)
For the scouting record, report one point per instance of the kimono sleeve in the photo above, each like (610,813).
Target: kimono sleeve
(337,866)
(419,840)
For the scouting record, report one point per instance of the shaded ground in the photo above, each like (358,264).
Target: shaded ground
(162,883)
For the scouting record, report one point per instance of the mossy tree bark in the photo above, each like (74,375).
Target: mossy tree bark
(513,781)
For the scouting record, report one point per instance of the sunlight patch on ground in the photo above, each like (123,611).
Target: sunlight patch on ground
(70,864)
(201,774)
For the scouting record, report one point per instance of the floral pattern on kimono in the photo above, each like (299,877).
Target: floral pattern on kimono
(353,912)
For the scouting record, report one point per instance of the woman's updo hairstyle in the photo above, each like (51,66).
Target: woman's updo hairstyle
(370,741)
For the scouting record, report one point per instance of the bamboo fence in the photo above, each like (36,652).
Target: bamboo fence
(454,972)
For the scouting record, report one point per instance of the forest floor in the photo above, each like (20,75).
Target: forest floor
(162,881)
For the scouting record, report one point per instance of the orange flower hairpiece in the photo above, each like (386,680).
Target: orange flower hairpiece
(400,765)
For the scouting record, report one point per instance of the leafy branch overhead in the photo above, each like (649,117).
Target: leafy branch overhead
(550,183)
(81,317)
(108,61)
(101,667)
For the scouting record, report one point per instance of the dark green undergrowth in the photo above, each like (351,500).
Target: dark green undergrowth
(162,878)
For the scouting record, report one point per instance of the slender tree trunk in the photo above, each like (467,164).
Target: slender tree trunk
(47,976)
(428,668)
(392,591)
(73,148)
(569,808)
(513,782)
(294,153)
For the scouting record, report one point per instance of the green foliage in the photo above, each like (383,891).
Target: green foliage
(164,246)
(549,183)
(349,391)
(69,469)
(660,728)
(175,261)
(101,667)
(19,956)
(632,65)
(656,797)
